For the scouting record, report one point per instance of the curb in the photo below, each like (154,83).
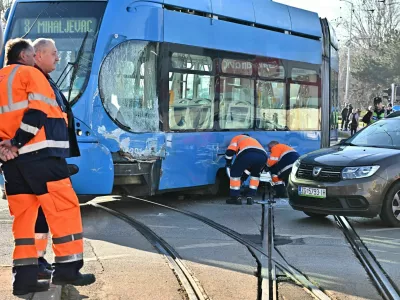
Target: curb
(54,293)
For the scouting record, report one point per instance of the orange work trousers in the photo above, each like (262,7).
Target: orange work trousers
(43,182)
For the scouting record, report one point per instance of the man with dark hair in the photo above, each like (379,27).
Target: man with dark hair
(41,227)
(33,128)
(379,111)
(19,50)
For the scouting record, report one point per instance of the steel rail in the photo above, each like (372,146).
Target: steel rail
(385,287)
(188,281)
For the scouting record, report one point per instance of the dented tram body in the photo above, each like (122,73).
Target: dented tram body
(160,87)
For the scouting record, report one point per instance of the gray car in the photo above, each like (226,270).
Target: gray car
(358,177)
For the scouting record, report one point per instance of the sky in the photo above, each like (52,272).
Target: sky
(329,9)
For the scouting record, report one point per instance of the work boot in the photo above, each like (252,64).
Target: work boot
(81,280)
(250,201)
(43,261)
(41,286)
(234,200)
(43,272)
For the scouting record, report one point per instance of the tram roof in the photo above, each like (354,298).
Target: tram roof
(256,11)
(262,12)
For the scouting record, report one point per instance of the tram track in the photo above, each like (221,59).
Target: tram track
(269,285)
(267,262)
(188,281)
(269,259)
(377,274)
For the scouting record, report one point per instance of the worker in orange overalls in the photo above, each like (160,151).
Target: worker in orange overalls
(41,226)
(250,160)
(35,143)
(280,163)
(46,59)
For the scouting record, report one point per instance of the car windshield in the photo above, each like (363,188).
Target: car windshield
(382,134)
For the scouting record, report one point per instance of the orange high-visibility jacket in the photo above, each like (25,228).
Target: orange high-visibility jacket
(29,113)
(240,143)
(281,159)
(277,153)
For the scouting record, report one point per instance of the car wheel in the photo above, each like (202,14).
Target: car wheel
(390,214)
(314,215)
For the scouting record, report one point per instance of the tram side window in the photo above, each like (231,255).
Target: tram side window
(304,112)
(271,105)
(191,93)
(305,101)
(128,86)
(236,109)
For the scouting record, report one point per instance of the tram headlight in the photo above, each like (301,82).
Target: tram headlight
(295,167)
(358,172)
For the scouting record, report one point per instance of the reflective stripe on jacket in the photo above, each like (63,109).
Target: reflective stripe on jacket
(376,116)
(29,113)
(241,143)
(277,153)
(281,159)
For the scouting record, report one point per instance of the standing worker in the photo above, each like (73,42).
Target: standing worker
(250,157)
(46,59)
(33,128)
(41,227)
(280,165)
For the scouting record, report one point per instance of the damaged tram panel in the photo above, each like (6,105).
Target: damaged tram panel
(128,91)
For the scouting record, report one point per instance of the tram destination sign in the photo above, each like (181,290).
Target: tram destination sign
(57,26)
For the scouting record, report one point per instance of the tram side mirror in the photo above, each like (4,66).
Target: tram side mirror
(7,13)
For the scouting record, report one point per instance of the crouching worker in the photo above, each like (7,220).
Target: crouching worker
(280,165)
(250,158)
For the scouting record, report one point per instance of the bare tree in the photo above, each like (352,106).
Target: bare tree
(4,4)
(373,22)
(373,45)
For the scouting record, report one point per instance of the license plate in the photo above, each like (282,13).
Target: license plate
(312,192)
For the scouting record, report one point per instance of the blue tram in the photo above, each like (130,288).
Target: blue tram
(159,87)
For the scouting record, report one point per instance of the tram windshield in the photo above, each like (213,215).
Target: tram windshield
(67,23)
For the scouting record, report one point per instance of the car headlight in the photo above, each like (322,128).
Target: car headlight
(295,167)
(359,172)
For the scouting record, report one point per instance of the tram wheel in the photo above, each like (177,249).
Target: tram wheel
(314,215)
(390,214)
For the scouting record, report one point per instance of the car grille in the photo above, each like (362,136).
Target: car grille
(323,203)
(327,174)
(352,202)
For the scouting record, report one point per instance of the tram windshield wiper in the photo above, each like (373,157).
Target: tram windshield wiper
(76,65)
(73,66)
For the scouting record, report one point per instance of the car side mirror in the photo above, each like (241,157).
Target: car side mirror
(342,142)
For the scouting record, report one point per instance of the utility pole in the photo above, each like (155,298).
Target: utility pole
(348,52)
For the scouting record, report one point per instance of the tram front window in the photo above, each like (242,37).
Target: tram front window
(67,23)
